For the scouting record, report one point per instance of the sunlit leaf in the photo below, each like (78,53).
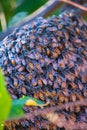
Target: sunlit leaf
(5,101)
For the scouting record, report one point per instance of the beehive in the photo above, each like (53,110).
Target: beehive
(47,59)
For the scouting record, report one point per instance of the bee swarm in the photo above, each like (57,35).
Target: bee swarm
(47,60)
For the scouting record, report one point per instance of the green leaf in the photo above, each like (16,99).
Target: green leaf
(5,101)
(17,18)
(17,106)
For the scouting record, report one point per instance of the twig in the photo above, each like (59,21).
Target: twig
(57,108)
(59,119)
(75,4)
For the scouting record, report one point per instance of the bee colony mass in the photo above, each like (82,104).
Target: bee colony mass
(47,60)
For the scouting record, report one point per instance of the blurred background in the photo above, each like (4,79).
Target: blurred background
(13,12)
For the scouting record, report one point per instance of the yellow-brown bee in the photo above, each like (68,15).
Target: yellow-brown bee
(39,81)
(34,82)
(13,62)
(39,48)
(15,82)
(22,77)
(23,89)
(48,52)
(73,97)
(61,63)
(31,65)
(50,75)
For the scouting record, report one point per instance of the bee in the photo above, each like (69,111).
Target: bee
(50,75)
(32,37)
(47,93)
(15,82)
(23,89)
(34,82)
(54,40)
(36,95)
(71,64)
(7,79)
(24,47)
(66,36)
(72,116)
(13,96)
(72,109)
(37,55)
(60,46)
(9,70)
(85,92)
(55,65)
(61,63)
(44,81)
(66,99)
(73,85)
(47,61)
(59,80)
(57,50)
(17,49)
(23,62)
(61,97)
(21,69)
(21,76)
(77,108)
(54,93)
(63,84)
(79,96)
(39,48)
(13,61)
(31,45)
(60,26)
(31,56)
(41,96)
(50,82)
(65,92)
(10,56)
(77,41)
(43,26)
(70,76)
(53,45)
(30,76)
(54,54)
(84,77)
(39,81)
(8,124)
(55,85)
(38,67)
(31,65)
(80,85)
(42,62)
(48,52)
(73,97)
(6,72)
(59,33)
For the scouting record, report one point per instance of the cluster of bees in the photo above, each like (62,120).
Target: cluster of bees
(47,60)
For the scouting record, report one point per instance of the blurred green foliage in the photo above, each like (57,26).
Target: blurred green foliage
(13,11)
